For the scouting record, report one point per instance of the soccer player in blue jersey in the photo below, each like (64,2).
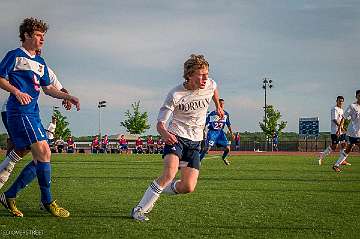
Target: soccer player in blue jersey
(216,135)
(7,166)
(23,73)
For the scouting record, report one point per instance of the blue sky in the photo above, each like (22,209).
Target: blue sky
(124,51)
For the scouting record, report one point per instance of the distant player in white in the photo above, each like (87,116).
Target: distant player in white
(353,131)
(188,104)
(7,166)
(50,131)
(337,113)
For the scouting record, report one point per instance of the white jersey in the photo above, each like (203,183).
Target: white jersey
(353,113)
(53,81)
(51,131)
(188,109)
(336,114)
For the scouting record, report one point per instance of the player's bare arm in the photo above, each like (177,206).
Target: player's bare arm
(168,137)
(340,126)
(23,98)
(53,92)
(230,130)
(215,98)
(67,104)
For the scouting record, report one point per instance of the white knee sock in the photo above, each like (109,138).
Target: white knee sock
(151,195)
(171,188)
(7,166)
(326,152)
(342,158)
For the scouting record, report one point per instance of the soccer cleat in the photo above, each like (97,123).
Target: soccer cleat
(336,168)
(226,162)
(346,163)
(10,205)
(138,214)
(55,210)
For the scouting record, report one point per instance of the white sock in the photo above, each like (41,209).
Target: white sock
(326,152)
(171,188)
(342,158)
(12,158)
(7,166)
(151,195)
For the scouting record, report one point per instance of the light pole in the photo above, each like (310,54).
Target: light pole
(267,83)
(101,104)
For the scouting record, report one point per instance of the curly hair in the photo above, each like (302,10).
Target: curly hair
(195,62)
(29,25)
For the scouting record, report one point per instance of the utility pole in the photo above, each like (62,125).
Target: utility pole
(101,104)
(267,83)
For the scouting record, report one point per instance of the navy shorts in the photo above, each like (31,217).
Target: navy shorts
(338,139)
(187,150)
(4,120)
(353,140)
(25,130)
(216,138)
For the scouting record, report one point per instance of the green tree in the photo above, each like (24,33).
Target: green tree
(272,118)
(136,122)
(62,131)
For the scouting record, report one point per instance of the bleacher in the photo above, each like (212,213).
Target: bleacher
(113,147)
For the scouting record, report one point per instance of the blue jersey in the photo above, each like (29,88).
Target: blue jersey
(215,123)
(26,73)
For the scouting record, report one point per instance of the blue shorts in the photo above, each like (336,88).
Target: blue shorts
(123,146)
(187,150)
(216,137)
(25,130)
(338,139)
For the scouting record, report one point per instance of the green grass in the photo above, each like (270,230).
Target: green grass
(254,197)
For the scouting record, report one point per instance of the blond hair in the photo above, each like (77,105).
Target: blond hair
(195,62)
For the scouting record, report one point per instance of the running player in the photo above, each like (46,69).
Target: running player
(216,135)
(353,131)
(337,113)
(23,73)
(188,104)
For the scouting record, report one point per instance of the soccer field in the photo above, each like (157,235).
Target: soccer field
(254,197)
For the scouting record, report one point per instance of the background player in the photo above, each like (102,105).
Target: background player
(188,104)
(336,114)
(216,135)
(353,131)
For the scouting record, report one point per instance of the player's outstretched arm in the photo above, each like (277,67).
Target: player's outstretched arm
(23,98)
(53,92)
(215,98)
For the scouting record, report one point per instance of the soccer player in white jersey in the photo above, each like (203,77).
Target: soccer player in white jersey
(337,113)
(23,74)
(188,104)
(353,131)
(7,166)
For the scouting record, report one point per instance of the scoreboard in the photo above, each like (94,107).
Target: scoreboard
(309,127)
